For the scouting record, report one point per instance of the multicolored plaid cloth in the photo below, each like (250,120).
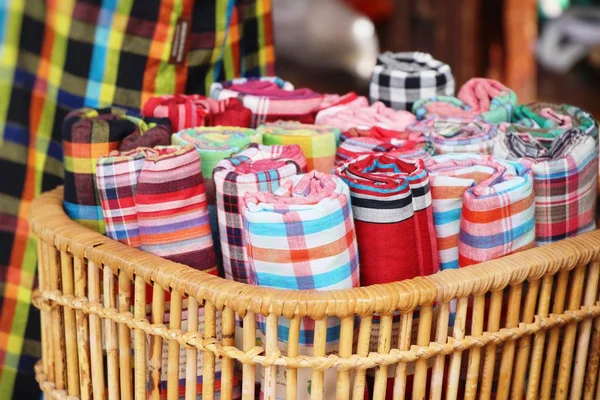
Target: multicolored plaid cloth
(400,79)
(363,116)
(486,99)
(256,169)
(190,111)
(565,173)
(450,134)
(318,143)
(56,56)
(483,208)
(87,135)
(549,120)
(270,99)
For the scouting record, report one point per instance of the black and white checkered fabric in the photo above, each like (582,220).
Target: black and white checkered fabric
(400,79)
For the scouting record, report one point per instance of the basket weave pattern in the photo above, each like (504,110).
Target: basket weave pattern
(526,325)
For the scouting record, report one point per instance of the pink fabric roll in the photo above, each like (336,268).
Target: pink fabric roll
(357,115)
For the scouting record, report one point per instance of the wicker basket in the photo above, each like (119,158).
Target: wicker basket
(526,326)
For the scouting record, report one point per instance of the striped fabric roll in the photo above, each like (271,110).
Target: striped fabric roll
(256,169)
(483,208)
(88,134)
(450,134)
(358,115)
(481,98)
(193,110)
(270,99)
(399,144)
(318,143)
(565,173)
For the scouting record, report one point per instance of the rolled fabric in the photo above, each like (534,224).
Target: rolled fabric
(355,115)
(550,120)
(270,99)
(399,144)
(88,134)
(457,134)
(565,174)
(481,98)
(400,79)
(483,208)
(318,143)
(301,237)
(256,169)
(190,111)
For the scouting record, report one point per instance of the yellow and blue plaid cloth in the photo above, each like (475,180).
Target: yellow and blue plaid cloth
(58,55)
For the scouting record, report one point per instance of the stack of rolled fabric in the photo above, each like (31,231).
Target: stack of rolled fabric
(565,172)
(256,169)
(360,115)
(190,111)
(89,134)
(301,237)
(483,208)
(481,98)
(400,79)
(270,99)
(318,143)
(457,134)
(399,144)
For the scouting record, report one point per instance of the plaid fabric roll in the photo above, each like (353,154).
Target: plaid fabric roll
(191,111)
(355,115)
(318,143)
(483,208)
(565,173)
(270,99)
(256,169)
(87,135)
(399,144)
(550,120)
(391,203)
(457,134)
(481,98)
(400,79)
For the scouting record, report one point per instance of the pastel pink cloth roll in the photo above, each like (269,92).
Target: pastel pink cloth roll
(357,115)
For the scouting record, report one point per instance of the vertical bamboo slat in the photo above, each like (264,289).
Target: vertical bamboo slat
(475,352)
(460,322)
(249,370)
(319,349)
(405,337)
(208,357)
(270,384)
(110,330)
(96,359)
(191,354)
(68,288)
(346,340)
(58,328)
(156,342)
(292,351)
(441,336)
(489,362)
(383,347)
(423,339)
(125,338)
(45,317)
(173,349)
(508,350)
(227,363)
(591,371)
(139,340)
(362,349)
(83,333)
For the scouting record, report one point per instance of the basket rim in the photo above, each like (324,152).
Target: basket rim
(49,223)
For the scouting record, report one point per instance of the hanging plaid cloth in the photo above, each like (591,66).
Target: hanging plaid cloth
(56,56)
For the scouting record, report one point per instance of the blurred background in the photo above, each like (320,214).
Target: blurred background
(547,50)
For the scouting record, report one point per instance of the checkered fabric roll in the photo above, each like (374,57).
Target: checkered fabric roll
(565,172)
(483,207)
(87,135)
(318,143)
(550,120)
(191,111)
(391,203)
(256,169)
(400,79)
(270,99)
(457,134)
(356,115)
(481,98)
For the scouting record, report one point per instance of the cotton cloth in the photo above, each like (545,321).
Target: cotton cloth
(565,172)
(256,169)
(191,111)
(270,99)
(357,115)
(400,79)
(87,135)
(483,208)
(318,143)
(485,99)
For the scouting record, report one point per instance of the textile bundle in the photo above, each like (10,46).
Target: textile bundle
(302,237)
(485,99)
(270,99)
(457,134)
(190,111)
(318,143)
(255,169)
(400,79)
(483,208)
(360,115)
(89,134)
(400,144)
(565,173)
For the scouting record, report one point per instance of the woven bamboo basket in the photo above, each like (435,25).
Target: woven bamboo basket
(526,326)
